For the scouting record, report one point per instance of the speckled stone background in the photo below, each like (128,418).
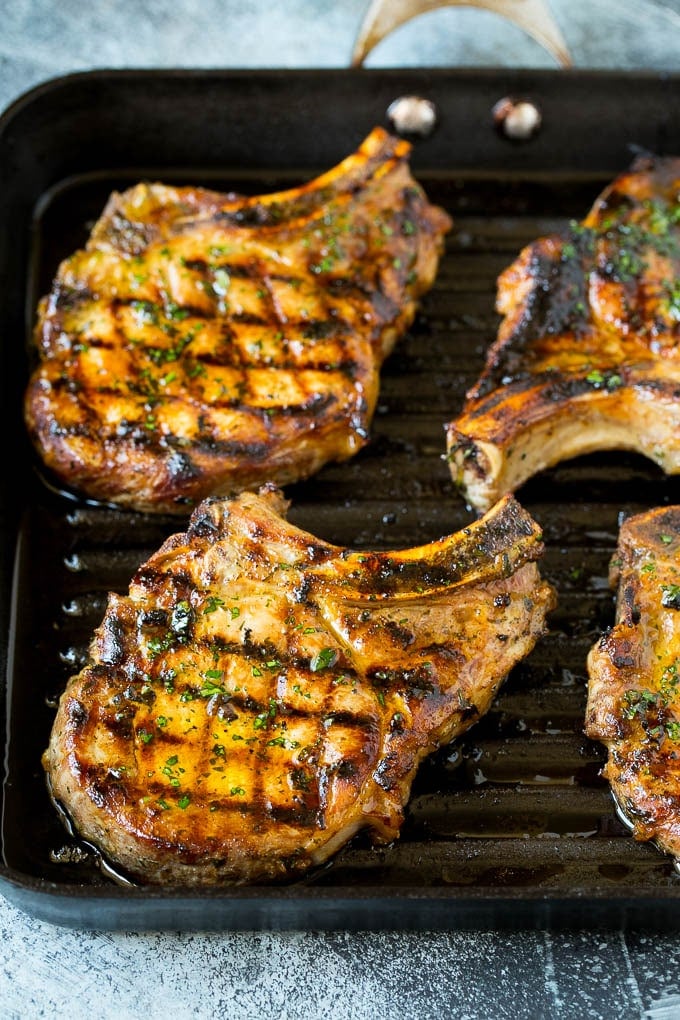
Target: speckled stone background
(47,971)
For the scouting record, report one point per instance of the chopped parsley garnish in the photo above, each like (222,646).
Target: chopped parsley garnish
(670,598)
(672,292)
(323,659)
(212,683)
(212,603)
(604,380)
(673,729)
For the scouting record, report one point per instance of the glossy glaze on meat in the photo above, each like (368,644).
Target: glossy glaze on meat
(203,343)
(634,679)
(259,696)
(587,356)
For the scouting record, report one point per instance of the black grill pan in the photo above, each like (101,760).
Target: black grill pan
(511,826)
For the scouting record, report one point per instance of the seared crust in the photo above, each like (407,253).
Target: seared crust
(203,343)
(634,679)
(587,356)
(260,695)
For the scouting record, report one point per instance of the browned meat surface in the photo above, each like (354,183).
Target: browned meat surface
(204,343)
(260,696)
(634,679)
(587,356)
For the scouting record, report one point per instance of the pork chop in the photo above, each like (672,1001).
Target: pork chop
(634,679)
(259,695)
(204,343)
(587,356)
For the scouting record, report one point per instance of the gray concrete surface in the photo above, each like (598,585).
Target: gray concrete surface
(47,971)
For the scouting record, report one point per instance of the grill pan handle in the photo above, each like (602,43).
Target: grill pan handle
(533,16)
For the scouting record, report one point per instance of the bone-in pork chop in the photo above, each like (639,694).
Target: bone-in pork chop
(203,343)
(587,356)
(259,696)
(634,679)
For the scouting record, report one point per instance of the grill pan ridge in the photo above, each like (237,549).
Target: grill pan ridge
(510,826)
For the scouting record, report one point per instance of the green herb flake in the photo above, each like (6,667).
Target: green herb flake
(673,729)
(323,659)
(672,298)
(212,603)
(637,703)
(211,685)
(670,598)
(282,742)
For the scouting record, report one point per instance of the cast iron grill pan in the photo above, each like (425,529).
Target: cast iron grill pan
(510,825)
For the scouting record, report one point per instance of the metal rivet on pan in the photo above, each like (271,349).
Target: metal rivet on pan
(519,119)
(412,115)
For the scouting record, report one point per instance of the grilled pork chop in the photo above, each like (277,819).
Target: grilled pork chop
(634,679)
(587,356)
(260,695)
(204,343)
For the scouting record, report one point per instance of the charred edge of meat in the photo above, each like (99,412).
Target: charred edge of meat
(497,544)
(546,393)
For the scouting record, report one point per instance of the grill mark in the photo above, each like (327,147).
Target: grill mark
(345,365)
(350,720)
(323,329)
(181,464)
(304,817)
(274,213)
(117,302)
(315,406)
